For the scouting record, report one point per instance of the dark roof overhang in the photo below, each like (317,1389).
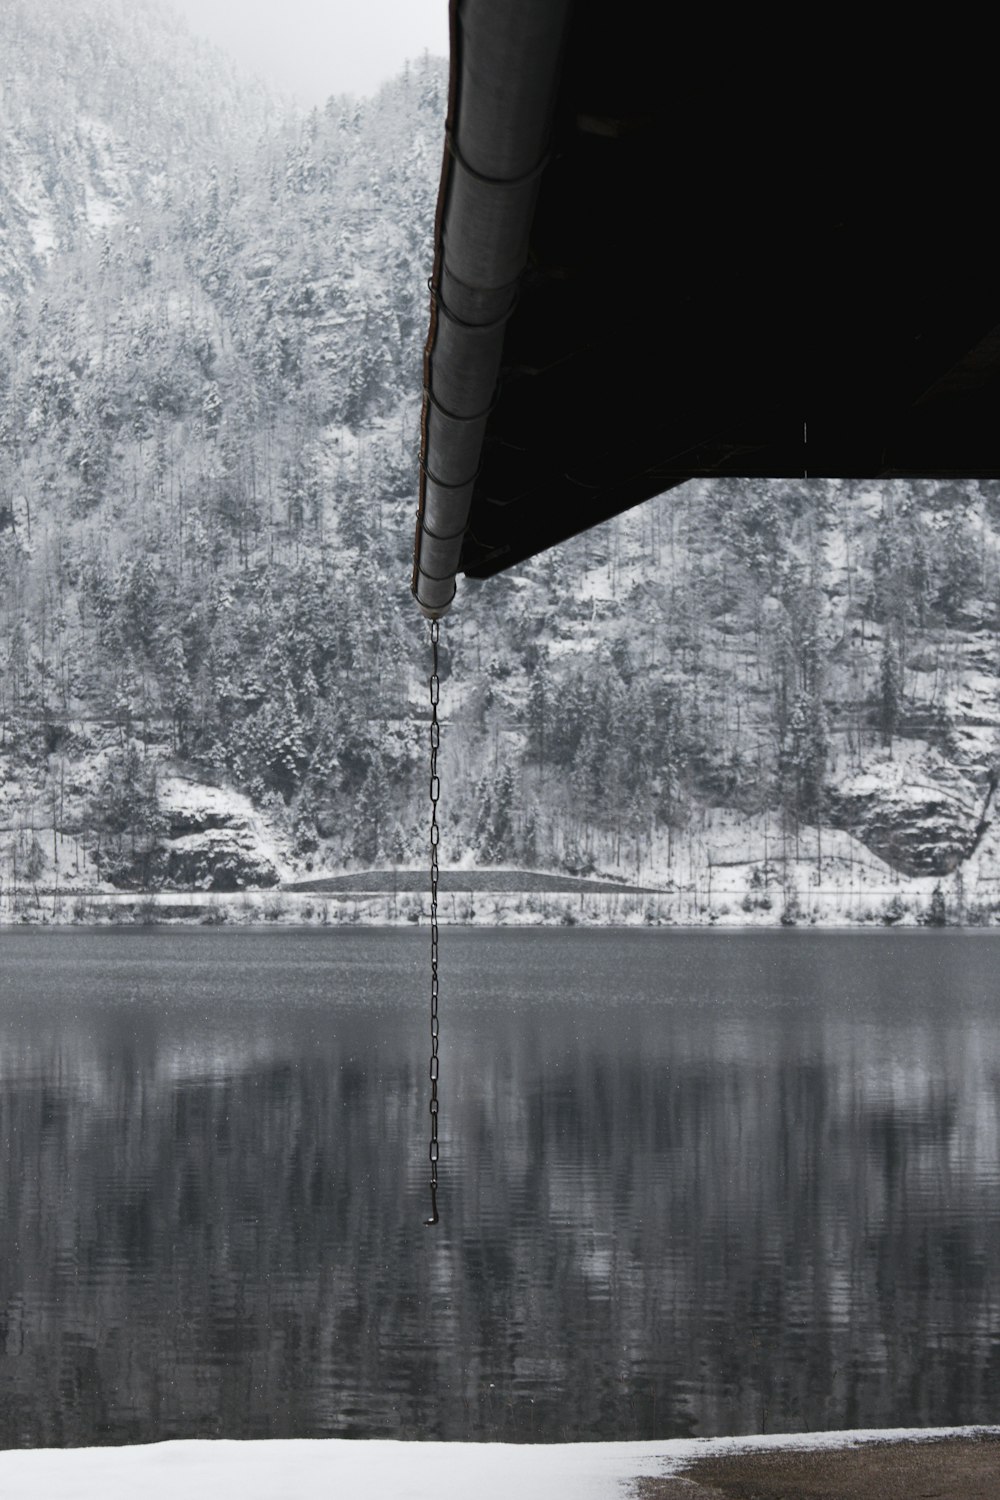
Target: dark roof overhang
(674,248)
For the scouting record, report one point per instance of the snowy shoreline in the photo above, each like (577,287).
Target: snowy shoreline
(732,872)
(831,887)
(261,1470)
(871,909)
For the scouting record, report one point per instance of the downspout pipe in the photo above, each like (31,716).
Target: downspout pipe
(505,59)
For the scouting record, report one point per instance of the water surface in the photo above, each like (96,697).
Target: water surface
(692,1183)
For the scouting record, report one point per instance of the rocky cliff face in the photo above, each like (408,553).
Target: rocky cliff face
(212,840)
(917,812)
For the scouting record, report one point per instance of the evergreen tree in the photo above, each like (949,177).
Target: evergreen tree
(890,691)
(885,567)
(176,689)
(588,774)
(528,842)
(937,912)
(958,572)
(494,838)
(501,840)
(304,822)
(371,815)
(540,696)
(484,818)
(127,814)
(803,758)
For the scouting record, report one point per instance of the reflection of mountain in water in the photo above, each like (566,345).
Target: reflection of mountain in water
(706,1197)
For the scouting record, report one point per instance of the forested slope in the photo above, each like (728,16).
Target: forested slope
(767,699)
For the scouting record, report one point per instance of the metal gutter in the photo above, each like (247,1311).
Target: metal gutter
(505,58)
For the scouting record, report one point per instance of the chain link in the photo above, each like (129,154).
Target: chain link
(435,791)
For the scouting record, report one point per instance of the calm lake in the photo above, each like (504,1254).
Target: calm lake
(691,1183)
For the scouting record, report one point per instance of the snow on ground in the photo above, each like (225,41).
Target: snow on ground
(342,1469)
(723,867)
(729,870)
(41,227)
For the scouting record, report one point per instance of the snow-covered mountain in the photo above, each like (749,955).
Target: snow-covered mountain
(763,700)
(106,108)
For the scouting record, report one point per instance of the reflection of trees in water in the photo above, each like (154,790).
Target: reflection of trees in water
(637,1241)
(773,1246)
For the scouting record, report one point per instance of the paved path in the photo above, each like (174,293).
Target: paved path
(516,882)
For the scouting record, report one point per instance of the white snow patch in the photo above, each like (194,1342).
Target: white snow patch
(42,229)
(184,795)
(101,213)
(225,1470)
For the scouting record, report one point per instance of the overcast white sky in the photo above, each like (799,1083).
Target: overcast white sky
(315,48)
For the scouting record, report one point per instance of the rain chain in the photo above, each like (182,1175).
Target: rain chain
(435,688)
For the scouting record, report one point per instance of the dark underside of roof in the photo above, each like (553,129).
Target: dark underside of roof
(755,250)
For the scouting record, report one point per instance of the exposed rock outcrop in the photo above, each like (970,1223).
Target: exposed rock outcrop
(218,859)
(214,839)
(916,811)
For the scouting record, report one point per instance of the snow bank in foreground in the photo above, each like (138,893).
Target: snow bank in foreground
(339,1469)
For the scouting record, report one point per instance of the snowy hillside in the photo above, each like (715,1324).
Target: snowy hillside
(764,701)
(105,109)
